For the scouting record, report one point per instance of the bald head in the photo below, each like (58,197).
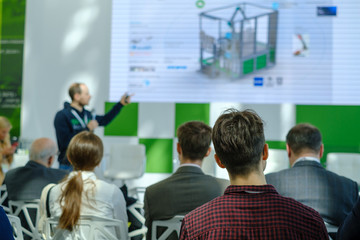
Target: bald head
(43,150)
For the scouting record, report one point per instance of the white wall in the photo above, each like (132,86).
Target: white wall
(65,41)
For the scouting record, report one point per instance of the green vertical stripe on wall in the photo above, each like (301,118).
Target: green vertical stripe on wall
(185,112)
(1,3)
(12,32)
(339,126)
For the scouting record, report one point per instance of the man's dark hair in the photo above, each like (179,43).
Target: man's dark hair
(304,136)
(238,138)
(194,139)
(74,88)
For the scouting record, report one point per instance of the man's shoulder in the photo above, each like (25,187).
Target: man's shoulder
(279,174)
(338,178)
(13,173)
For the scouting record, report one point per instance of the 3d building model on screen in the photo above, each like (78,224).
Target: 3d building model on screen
(237,40)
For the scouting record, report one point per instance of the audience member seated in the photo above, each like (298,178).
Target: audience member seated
(6,231)
(188,187)
(6,150)
(26,183)
(249,208)
(82,193)
(331,195)
(350,228)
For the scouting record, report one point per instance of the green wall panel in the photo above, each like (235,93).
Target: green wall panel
(12,25)
(185,112)
(125,123)
(158,155)
(339,126)
(277,144)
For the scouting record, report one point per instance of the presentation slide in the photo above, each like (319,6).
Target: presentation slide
(196,51)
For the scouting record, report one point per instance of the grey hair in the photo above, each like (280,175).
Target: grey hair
(43,154)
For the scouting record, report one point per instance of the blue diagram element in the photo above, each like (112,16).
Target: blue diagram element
(258,81)
(275,5)
(147,82)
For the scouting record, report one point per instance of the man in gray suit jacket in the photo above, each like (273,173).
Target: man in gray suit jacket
(188,188)
(331,195)
(26,183)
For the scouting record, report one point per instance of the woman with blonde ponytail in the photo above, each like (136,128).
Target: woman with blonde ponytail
(81,193)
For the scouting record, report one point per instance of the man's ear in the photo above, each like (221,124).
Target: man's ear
(321,153)
(50,161)
(288,150)
(218,161)
(208,152)
(178,148)
(265,154)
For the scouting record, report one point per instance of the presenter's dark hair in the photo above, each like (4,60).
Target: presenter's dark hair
(304,136)
(73,89)
(85,152)
(194,139)
(238,138)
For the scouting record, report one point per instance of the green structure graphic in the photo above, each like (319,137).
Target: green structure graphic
(237,40)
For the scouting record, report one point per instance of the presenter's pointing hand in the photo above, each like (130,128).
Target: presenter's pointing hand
(126,99)
(92,125)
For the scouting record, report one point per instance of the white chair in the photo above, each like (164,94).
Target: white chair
(3,196)
(31,219)
(126,161)
(278,160)
(16,225)
(171,225)
(133,209)
(331,229)
(344,164)
(88,228)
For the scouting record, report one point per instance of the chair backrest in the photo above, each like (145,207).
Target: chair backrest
(278,160)
(344,164)
(171,225)
(136,211)
(3,198)
(332,230)
(88,228)
(28,212)
(126,161)
(16,225)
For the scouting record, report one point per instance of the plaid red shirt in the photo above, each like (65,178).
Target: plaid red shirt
(253,212)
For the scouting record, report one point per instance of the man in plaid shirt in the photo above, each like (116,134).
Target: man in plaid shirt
(249,208)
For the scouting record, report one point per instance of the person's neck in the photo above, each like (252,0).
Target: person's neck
(303,155)
(77,106)
(189,161)
(41,163)
(254,178)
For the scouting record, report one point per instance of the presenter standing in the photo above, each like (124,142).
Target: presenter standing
(74,118)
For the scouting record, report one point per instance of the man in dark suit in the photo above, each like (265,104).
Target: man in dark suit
(26,183)
(188,187)
(331,195)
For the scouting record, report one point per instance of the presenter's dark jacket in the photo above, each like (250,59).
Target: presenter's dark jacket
(67,125)
(26,183)
(185,190)
(331,195)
